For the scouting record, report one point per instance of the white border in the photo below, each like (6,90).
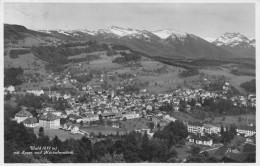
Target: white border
(257,23)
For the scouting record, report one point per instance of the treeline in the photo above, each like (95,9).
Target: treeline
(10,76)
(55,67)
(15,53)
(125,75)
(83,78)
(189,73)
(242,72)
(120,47)
(134,56)
(85,58)
(249,86)
(221,106)
(60,54)
(206,62)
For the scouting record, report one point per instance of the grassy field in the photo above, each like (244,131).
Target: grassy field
(228,120)
(62,134)
(105,130)
(132,124)
(185,117)
(185,151)
(84,55)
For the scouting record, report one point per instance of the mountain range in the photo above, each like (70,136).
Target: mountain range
(168,43)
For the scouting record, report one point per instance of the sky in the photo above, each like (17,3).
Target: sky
(204,20)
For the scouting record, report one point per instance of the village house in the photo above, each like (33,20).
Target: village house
(89,117)
(130,115)
(201,140)
(49,121)
(10,89)
(73,117)
(169,118)
(36,92)
(73,128)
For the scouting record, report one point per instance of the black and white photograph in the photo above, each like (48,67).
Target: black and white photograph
(129,82)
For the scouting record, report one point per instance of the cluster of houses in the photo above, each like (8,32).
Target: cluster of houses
(115,105)
(198,131)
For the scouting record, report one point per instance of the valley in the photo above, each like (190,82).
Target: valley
(108,86)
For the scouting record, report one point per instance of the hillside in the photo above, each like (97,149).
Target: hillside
(17,34)
(162,43)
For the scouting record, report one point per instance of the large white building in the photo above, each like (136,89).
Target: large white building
(195,127)
(49,121)
(199,128)
(246,130)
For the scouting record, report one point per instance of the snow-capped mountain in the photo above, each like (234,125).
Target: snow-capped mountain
(86,31)
(210,39)
(120,32)
(233,40)
(168,43)
(237,44)
(164,34)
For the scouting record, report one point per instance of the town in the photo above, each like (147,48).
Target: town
(99,113)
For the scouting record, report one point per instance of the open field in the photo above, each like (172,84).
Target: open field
(185,151)
(84,55)
(228,120)
(105,130)
(185,117)
(138,123)
(62,134)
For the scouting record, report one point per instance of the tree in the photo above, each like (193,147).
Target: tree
(222,130)
(41,132)
(159,126)
(195,150)
(182,107)
(81,123)
(124,119)
(172,155)
(115,158)
(131,147)
(205,153)
(151,125)
(145,152)
(83,150)
(249,86)
(192,102)
(233,130)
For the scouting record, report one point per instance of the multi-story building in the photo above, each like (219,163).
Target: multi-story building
(195,127)
(210,129)
(199,128)
(49,121)
(246,130)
